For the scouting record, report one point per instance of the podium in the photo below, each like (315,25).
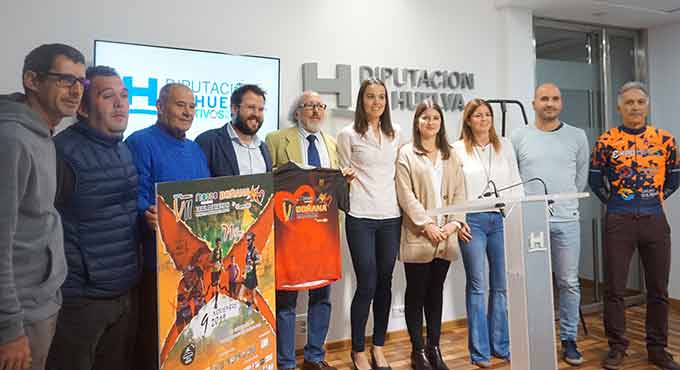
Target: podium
(529,274)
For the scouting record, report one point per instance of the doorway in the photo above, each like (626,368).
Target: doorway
(589,64)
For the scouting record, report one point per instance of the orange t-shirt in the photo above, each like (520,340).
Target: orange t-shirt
(307,233)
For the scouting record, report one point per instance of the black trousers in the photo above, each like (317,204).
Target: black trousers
(373,245)
(146,350)
(95,333)
(650,234)
(424,294)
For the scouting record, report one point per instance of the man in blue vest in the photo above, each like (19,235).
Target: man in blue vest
(32,264)
(97,201)
(235,149)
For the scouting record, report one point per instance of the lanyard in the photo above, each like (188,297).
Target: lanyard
(487,172)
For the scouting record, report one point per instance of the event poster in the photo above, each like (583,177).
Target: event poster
(216,288)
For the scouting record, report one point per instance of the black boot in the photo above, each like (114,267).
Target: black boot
(419,360)
(435,356)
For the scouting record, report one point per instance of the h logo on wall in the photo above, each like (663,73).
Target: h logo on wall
(407,87)
(341,85)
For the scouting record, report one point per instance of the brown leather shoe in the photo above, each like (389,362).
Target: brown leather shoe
(321,365)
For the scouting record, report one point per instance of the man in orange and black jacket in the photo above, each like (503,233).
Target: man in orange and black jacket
(634,168)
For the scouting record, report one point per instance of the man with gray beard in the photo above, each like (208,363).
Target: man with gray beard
(305,144)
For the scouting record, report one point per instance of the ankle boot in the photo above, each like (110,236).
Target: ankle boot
(419,360)
(434,355)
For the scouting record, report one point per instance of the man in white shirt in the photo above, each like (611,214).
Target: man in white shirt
(235,149)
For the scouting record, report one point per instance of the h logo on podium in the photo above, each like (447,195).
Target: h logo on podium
(537,242)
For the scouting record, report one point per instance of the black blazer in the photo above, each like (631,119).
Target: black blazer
(219,150)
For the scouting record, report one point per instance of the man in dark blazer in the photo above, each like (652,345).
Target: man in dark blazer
(235,149)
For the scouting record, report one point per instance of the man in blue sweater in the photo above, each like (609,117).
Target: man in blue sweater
(32,264)
(96,324)
(558,154)
(161,153)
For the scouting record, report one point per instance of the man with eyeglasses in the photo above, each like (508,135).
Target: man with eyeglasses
(97,322)
(235,149)
(32,263)
(161,153)
(304,144)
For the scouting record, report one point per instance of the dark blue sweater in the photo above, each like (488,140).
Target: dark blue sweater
(161,157)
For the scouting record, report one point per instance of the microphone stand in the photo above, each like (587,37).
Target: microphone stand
(496,191)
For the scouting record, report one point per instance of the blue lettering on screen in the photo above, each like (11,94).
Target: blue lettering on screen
(150,93)
(207,106)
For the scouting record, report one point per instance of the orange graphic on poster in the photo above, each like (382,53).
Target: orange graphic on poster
(216,297)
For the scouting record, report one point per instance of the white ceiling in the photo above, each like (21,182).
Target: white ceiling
(622,13)
(657,5)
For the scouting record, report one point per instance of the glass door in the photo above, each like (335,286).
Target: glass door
(589,63)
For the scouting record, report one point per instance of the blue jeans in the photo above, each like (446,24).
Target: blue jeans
(373,245)
(487,333)
(565,249)
(318,318)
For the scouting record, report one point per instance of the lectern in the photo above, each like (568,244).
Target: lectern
(529,274)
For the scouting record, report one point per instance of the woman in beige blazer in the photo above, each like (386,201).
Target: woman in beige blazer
(428,176)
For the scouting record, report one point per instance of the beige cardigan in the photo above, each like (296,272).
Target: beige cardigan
(416,195)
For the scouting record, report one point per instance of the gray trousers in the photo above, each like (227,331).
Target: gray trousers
(94,334)
(40,335)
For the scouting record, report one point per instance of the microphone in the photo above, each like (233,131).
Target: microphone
(496,191)
(488,193)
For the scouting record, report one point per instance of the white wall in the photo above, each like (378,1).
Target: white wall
(495,45)
(516,63)
(664,83)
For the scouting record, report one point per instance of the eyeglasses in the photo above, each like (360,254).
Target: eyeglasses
(253,108)
(309,106)
(68,80)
